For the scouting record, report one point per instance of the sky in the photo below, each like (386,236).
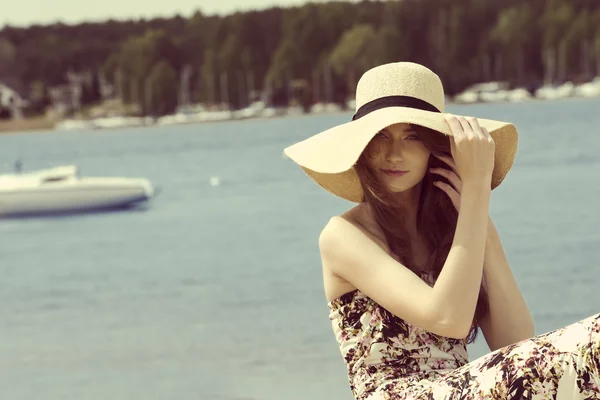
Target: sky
(29,12)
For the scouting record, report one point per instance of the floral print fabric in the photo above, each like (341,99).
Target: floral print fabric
(389,359)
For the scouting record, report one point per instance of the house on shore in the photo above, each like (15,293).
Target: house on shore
(12,99)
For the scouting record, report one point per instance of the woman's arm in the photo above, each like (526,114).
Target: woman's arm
(447,309)
(509,320)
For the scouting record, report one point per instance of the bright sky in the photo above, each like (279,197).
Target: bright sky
(29,12)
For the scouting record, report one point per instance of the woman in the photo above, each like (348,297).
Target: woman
(416,268)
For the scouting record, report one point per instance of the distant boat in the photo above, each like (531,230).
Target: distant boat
(61,190)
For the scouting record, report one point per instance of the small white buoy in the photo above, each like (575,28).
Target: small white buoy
(215,181)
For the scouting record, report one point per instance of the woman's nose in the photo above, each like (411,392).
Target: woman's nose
(395,151)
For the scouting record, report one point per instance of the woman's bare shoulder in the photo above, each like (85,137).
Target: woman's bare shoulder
(356,219)
(354,258)
(353,230)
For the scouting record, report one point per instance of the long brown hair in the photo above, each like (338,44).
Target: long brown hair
(436,216)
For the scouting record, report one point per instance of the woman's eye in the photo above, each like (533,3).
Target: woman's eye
(413,137)
(381,135)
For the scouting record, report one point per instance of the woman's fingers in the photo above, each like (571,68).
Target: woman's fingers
(466,127)
(455,126)
(472,150)
(448,160)
(451,176)
(477,129)
(452,194)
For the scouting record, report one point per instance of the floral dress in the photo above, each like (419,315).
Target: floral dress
(388,358)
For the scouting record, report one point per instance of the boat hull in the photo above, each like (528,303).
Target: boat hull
(74,195)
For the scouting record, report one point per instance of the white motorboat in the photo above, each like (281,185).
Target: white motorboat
(62,190)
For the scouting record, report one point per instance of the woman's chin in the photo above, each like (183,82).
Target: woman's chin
(397,187)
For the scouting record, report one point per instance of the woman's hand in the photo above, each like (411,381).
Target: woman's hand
(472,160)
(454,189)
(472,149)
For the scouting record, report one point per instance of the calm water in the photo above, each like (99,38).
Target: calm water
(215,292)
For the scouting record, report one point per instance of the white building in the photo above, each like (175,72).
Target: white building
(12,101)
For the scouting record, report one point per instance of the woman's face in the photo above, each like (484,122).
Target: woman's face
(397,157)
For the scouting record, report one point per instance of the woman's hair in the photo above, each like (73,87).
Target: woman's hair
(436,216)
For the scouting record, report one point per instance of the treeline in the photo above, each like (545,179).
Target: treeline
(306,54)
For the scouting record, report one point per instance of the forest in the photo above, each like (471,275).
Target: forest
(303,55)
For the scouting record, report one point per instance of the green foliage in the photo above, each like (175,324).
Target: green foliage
(355,50)
(8,54)
(311,52)
(161,98)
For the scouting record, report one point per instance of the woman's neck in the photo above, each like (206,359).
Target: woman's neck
(408,220)
(410,201)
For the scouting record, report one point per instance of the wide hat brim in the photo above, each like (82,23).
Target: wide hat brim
(329,157)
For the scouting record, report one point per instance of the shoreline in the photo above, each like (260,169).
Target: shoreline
(44,124)
(27,125)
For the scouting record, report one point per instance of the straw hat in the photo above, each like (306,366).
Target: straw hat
(402,92)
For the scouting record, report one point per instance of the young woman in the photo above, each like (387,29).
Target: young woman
(415,269)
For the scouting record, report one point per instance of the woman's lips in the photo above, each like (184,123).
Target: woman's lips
(393,172)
